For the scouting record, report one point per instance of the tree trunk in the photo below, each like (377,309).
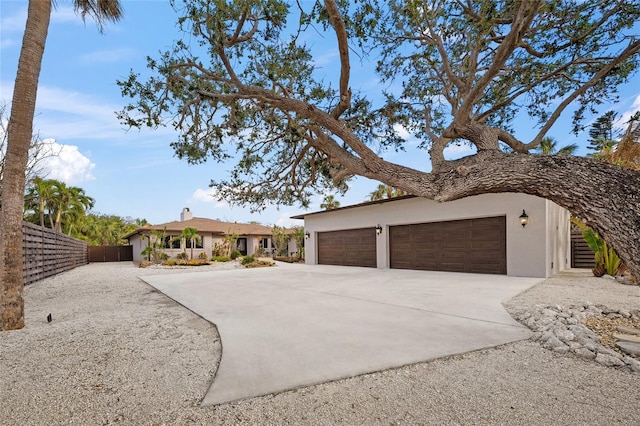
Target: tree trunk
(20,130)
(604,196)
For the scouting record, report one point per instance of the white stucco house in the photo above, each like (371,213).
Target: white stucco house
(479,234)
(251,238)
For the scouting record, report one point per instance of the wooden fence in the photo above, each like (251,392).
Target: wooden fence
(581,255)
(110,253)
(47,253)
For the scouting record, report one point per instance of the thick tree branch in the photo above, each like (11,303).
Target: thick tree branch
(343,47)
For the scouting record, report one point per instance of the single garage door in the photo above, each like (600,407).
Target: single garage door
(352,247)
(472,245)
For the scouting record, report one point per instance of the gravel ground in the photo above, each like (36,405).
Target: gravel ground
(117,351)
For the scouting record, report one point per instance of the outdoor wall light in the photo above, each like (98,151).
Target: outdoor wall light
(524,218)
(307,235)
(378,230)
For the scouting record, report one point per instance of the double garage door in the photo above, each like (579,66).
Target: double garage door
(471,245)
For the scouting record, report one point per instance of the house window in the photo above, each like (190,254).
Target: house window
(172,241)
(197,243)
(264,243)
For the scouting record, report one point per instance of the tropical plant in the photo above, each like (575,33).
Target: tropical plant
(40,194)
(279,240)
(329,202)
(452,72)
(385,191)
(549,146)
(229,243)
(298,236)
(154,251)
(69,203)
(190,235)
(218,250)
(182,256)
(606,258)
(20,131)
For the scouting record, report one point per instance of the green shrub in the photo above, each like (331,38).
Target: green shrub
(182,256)
(221,259)
(170,262)
(202,256)
(235,254)
(248,259)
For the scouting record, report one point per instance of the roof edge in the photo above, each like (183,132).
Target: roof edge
(354,206)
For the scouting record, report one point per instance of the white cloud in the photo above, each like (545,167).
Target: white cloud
(69,165)
(626,115)
(209,195)
(107,56)
(285,220)
(402,132)
(454,151)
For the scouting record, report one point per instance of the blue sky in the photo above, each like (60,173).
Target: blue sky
(135,173)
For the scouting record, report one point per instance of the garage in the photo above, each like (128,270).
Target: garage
(351,247)
(470,245)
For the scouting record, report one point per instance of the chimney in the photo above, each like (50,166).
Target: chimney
(186,214)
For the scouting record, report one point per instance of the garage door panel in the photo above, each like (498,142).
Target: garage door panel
(473,245)
(352,247)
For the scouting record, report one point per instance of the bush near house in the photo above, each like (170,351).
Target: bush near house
(220,259)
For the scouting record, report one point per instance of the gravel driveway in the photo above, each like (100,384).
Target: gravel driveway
(117,351)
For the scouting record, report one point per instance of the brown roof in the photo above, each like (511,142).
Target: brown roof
(353,206)
(208,225)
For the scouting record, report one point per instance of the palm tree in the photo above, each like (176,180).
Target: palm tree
(190,235)
(549,146)
(70,203)
(384,191)
(330,203)
(41,193)
(20,130)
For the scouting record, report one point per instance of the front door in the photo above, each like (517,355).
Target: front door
(241,246)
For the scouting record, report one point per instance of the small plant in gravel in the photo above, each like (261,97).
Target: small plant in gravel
(182,256)
(260,264)
(235,254)
(170,262)
(248,259)
(202,256)
(220,259)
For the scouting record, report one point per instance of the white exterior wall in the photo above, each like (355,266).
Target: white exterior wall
(528,248)
(558,239)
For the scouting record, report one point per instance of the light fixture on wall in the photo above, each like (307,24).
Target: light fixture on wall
(307,235)
(378,230)
(524,218)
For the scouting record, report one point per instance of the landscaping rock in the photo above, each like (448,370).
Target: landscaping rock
(627,337)
(609,361)
(631,348)
(628,330)
(587,331)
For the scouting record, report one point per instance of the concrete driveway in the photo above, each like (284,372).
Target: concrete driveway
(297,325)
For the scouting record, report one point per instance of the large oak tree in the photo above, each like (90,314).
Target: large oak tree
(244,79)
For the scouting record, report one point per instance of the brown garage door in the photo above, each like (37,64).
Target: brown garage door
(472,245)
(352,247)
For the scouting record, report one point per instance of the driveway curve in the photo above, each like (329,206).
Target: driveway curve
(297,325)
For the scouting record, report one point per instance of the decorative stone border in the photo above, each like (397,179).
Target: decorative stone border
(563,330)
